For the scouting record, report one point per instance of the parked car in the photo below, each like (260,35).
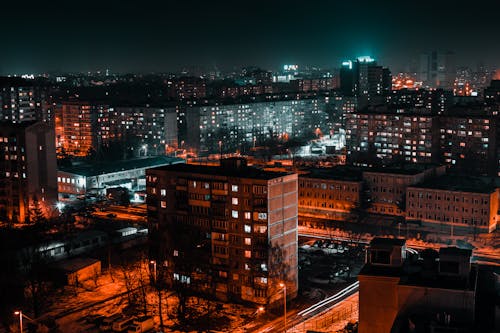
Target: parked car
(141,325)
(122,324)
(107,323)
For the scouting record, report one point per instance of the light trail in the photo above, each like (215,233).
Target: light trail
(330,299)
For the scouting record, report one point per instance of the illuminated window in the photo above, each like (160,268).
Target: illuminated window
(248,215)
(163,192)
(163,204)
(234,188)
(248,241)
(234,214)
(234,201)
(248,228)
(248,254)
(176,253)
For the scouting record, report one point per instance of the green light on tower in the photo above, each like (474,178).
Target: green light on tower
(366,59)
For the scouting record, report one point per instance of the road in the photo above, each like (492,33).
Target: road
(478,255)
(297,319)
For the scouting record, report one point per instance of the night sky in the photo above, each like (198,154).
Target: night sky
(144,35)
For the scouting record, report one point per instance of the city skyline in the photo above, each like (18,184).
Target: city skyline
(163,37)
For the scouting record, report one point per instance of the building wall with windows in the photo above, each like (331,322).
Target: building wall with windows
(242,227)
(239,126)
(472,208)
(390,137)
(386,187)
(27,171)
(328,198)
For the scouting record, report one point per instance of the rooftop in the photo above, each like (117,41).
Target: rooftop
(95,169)
(384,241)
(461,184)
(75,264)
(341,172)
(403,169)
(241,172)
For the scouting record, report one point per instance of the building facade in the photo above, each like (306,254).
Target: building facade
(96,178)
(455,202)
(437,294)
(233,127)
(229,230)
(330,193)
(28,187)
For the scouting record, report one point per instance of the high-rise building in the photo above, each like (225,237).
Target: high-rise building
(366,80)
(28,179)
(437,69)
(468,141)
(76,127)
(242,125)
(388,135)
(229,230)
(22,101)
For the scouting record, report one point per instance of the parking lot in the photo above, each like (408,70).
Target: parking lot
(327,264)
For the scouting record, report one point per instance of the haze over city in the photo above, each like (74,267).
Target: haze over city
(166,36)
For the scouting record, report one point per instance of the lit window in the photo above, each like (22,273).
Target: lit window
(234,214)
(234,201)
(248,241)
(234,188)
(248,254)
(163,204)
(248,215)
(176,253)
(262,216)
(58,179)
(163,192)
(247,267)
(248,228)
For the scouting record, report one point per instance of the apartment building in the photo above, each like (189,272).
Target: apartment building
(228,230)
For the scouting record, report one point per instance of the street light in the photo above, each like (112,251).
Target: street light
(283,285)
(20,314)
(153,262)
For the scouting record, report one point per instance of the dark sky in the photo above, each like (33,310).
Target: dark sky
(145,35)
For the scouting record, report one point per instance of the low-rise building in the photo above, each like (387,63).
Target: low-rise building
(330,193)
(386,186)
(95,178)
(436,293)
(469,203)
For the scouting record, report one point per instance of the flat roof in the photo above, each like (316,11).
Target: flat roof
(341,172)
(387,241)
(117,166)
(403,169)
(457,183)
(75,264)
(240,172)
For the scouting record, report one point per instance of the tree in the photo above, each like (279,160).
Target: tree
(36,285)
(278,272)
(36,214)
